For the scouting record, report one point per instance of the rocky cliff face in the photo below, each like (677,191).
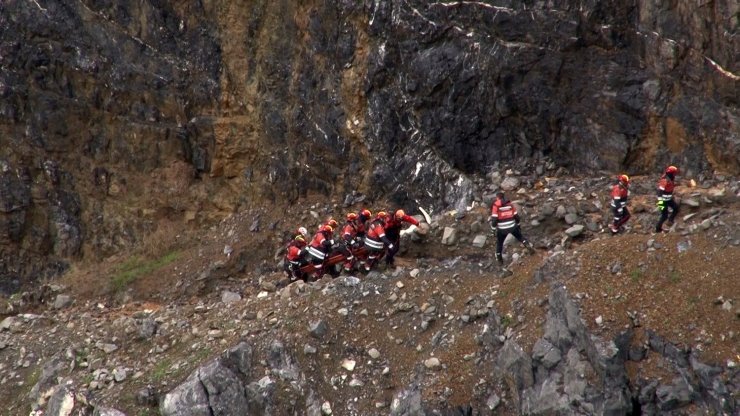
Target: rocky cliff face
(115,115)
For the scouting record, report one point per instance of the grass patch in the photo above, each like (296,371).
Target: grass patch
(675,277)
(160,370)
(135,267)
(635,275)
(506,321)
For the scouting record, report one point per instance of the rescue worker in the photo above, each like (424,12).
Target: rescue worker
(320,247)
(392,227)
(295,254)
(349,234)
(362,223)
(666,184)
(620,193)
(376,240)
(504,221)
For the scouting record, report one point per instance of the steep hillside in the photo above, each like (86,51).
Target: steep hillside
(593,323)
(116,116)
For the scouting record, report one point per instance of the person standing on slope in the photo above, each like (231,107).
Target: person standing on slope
(666,184)
(376,240)
(319,248)
(504,221)
(392,227)
(620,193)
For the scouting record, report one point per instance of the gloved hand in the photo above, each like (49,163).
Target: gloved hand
(390,246)
(661,205)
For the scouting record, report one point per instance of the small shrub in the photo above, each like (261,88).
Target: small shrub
(133,268)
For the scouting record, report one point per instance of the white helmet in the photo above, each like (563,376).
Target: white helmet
(303,231)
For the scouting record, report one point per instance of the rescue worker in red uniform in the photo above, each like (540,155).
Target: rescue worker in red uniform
(349,241)
(363,217)
(392,227)
(320,247)
(666,185)
(295,255)
(620,193)
(376,240)
(504,221)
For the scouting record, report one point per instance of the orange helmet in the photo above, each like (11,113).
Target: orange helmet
(327,228)
(382,214)
(332,223)
(400,214)
(672,170)
(351,216)
(366,213)
(624,180)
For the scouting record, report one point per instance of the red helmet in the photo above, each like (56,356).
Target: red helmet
(332,223)
(400,214)
(672,170)
(366,213)
(351,216)
(624,180)
(327,228)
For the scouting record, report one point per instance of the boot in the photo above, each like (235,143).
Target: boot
(529,246)
(500,259)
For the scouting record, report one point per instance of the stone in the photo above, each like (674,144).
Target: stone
(119,374)
(326,408)
(574,231)
(343,311)
(146,328)
(146,396)
(432,363)
(691,202)
(355,382)
(493,401)
(510,183)
(7,323)
(674,396)
(107,411)
(449,236)
(571,219)
(373,353)
(318,329)
(479,241)
(62,301)
(228,297)
(414,272)
(309,349)
(348,364)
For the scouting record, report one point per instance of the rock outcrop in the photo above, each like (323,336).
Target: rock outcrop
(116,115)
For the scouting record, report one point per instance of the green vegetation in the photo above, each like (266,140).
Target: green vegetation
(506,321)
(675,277)
(135,267)
(160,370)
(635,275)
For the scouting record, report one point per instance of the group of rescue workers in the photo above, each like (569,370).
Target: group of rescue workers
(666,204)
(363,239)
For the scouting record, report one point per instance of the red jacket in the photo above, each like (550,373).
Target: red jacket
(295,250)
(393,223)
(349,231)
(619,195)
(320,244)
(665,188)
(504,215)
(375,236)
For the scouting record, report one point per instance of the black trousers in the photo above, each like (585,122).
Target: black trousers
(620,217)
(501,237)
(664,214)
